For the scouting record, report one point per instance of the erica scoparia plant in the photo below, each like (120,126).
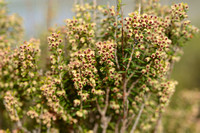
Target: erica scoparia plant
(108,72)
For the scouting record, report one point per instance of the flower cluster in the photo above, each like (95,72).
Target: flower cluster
(106,52)
(12,105)
(79,33)
(82,67)
(26,56)
(11,27)
(55,46)
(47,118)
(84,73)
(52,94)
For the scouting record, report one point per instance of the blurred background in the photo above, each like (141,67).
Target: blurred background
(183,113)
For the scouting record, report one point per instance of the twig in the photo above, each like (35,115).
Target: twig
(19,124)
(124,122)
(107,99)
(122,19)
(130,59)
(130,120)
(48,130)
(116,59)
(139,10)
(139,114)
(125,99)
(81,105)
(98,107)
(117,125)
(158,123)
(126,81)
(40,126)
(132,85)
(137,119)
(104,119)
(96,126)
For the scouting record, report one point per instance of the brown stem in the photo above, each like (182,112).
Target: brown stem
(130,59)
(122,19)
(40,124)
(125,101)
(20,126)
(158,123)
(138,118)
(117,13)
(130,120)
(104,119)
(117,125)
(139,114)
(132,85)
(96,126)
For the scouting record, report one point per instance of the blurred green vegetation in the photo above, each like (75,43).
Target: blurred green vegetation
(187,70)
(183,112)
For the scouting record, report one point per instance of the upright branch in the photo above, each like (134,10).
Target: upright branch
(122,22)
(137,118)
(131,57)
(104,119)
(116,23)
(139,114)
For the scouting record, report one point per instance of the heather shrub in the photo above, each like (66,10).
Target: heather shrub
(107,71)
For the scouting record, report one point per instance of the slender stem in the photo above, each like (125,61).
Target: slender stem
(81,106)
(117,125)
(158,123)
(124,120)
(116,59)
(139,10)
(130,120)
(19,124)
(104,119)
(137,119)
(98,107)
(122,19)
(127,80)
(132,86)
(96,126)
(139,114)
(107,99)
(48,130)
(130,59)
(40,126)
